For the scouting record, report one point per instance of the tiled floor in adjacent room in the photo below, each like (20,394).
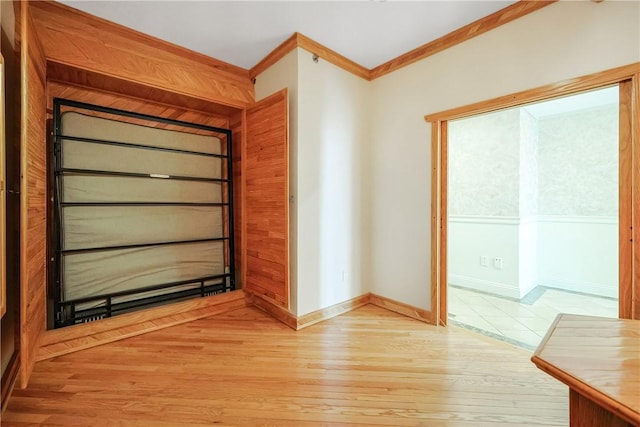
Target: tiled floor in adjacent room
(521,323)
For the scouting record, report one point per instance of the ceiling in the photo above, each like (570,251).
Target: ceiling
(243,32)
(573,103)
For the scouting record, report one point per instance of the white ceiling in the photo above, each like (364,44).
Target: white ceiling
(572,103)
(243,32)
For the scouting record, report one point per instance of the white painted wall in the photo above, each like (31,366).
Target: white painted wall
(493,237)
(361,154)
(564,166)
(569,259)
(333,143)
(329,132)
(558,42)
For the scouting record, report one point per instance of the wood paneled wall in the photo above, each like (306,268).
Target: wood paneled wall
(266,174)
(131,89)
(236,124)
(77,39)
(114,100)
(33,191)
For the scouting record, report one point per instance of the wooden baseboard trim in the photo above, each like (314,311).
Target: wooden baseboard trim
(402,308)
(296,323)
(9,379)
(74,338)
(276,311)
(332,311)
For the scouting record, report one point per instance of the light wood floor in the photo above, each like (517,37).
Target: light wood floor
(368,367)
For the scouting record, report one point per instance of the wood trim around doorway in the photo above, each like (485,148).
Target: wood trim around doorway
(628,77)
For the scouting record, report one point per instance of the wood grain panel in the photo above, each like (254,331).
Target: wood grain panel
(625,202)
(236,124)
(3,198)
(369,367)
(266,192)
(111,84)
(79,337)
(584,413)
(635,167)
(481,26)
(33,195)
(80,40)
(598,358)
(443,311)
(127,103)
(435,274)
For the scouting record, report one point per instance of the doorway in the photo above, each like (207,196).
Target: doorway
(533,215)
(626,79)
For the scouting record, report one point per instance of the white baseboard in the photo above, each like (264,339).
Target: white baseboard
(597,289)
(502,289)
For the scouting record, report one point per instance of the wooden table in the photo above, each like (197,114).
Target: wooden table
(599,359)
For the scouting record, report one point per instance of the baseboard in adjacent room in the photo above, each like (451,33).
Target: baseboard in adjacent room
(495,288)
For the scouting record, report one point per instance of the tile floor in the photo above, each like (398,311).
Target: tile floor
(521,323)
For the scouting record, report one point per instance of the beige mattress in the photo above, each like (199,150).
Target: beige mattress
(94,273)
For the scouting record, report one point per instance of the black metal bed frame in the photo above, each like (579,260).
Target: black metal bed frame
(68,312)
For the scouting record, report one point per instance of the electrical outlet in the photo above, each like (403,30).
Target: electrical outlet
(484,261)
(497,263)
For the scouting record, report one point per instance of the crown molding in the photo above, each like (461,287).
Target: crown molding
(488,23)
(480,26)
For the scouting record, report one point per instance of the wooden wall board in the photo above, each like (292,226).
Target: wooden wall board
(625,201)
(236,124)
(33,194)
(113,84)
(102,98)
(3,197)
(635,167)
(84,41)
(266,177)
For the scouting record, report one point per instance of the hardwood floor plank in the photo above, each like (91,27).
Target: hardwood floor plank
(369,367)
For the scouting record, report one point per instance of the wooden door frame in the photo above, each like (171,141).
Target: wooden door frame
(628,79)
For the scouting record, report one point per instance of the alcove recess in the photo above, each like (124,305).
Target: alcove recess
(75,56)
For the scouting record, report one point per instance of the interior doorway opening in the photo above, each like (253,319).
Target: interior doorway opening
(627,81)
(533,215)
